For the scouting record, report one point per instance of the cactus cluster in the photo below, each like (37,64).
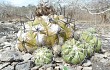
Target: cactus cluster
(48,30)
(75,51)
(43,31)
(89,37)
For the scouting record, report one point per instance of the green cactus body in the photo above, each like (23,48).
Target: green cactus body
(43,56)
(27,42)
(51,40)
(98,47)
(86,36)
(73,52)
(93,44)
(78,58)
(30,42)
(89,48)
(96,43)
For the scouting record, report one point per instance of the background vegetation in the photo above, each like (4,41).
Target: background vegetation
(95,11)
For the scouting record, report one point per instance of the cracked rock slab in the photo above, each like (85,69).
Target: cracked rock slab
(3,65)
(10,56)
(8,68)
(24,65)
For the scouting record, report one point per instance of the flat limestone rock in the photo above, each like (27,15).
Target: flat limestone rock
(3,65)
(24,65)
(8,68)
(10,56)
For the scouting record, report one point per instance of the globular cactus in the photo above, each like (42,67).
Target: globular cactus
(89,49)
(86,36)
(48,29)
(51,40)
(99,46)
(55,32)
(26,41)
(73,52)
(31,43)
(43,56)
(96,43)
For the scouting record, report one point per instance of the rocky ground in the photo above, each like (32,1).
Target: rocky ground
(12,59)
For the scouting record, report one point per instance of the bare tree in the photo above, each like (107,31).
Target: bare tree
(98,7)
(9,12)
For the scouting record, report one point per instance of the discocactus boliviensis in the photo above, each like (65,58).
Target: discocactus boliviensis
(98,47)
(26,41)
(43,56)
(73,52)
(47,29)
(89,49)
(85,45)
(88,36)
(96,43)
